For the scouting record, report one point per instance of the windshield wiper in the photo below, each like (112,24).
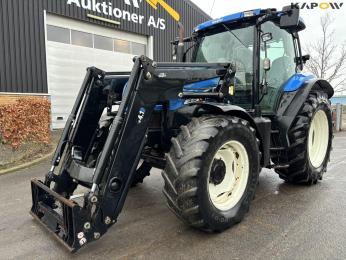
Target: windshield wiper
(229,30)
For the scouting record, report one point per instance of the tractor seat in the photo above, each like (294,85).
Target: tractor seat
(280,71)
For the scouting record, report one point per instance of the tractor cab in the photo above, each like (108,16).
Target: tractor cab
(264,48)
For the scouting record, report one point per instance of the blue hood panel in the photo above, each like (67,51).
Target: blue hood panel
(201,86)
(296,82)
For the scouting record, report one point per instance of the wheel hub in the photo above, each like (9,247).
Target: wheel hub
(218,171)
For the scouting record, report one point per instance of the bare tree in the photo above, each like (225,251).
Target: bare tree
(328,59)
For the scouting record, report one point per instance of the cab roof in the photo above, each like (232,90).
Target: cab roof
(239,17)
(227,19)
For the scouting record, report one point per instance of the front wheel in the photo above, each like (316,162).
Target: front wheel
(311,142)
(212,172)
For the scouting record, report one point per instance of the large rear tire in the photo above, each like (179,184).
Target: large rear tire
(311,141)
(212,172)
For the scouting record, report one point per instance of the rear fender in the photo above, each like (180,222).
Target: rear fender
(291,103)
(260,124)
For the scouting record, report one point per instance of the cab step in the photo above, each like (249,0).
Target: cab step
(277,149)
(274,131)
(278,166)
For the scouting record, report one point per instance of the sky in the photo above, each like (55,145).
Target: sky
(311,17)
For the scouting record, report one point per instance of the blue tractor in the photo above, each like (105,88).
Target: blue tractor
(241,103)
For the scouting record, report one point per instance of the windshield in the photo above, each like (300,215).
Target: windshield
(231,46)
(226,46)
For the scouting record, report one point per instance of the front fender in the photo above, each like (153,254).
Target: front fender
(323,85)
(292,101)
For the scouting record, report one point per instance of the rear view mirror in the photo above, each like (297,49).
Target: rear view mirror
(290,19)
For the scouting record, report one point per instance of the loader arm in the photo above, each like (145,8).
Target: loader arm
(76,224)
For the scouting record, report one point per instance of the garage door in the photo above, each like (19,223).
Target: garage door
(72,46)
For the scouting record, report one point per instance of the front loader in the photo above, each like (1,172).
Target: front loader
(211,124)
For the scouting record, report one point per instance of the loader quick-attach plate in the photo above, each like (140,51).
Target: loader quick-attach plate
(60,216)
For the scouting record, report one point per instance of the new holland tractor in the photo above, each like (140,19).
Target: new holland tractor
(241,103)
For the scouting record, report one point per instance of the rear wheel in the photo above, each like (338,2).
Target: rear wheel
(311,141)
(212,172)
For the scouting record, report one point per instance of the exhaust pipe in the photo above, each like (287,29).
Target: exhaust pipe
(180,47)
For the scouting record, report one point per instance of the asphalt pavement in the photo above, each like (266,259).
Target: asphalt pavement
(285,222)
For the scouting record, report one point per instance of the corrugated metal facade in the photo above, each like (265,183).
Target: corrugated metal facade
(22,36)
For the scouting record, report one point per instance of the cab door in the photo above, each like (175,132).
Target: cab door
(281,52)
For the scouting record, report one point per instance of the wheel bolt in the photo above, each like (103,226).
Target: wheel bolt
(97,235)
(108,220)
(87,225)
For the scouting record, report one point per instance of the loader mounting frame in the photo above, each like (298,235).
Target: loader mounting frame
(149,84)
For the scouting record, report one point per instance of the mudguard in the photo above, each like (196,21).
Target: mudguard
(262,125)
(292,101)
(224,108)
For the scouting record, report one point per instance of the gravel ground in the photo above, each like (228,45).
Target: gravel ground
(285,222)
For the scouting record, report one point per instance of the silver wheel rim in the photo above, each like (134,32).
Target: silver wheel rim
(318,138)
(226,194)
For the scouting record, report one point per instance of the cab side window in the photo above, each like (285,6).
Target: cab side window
(281,52)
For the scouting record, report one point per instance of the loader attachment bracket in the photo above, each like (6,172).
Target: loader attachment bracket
(64,225)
